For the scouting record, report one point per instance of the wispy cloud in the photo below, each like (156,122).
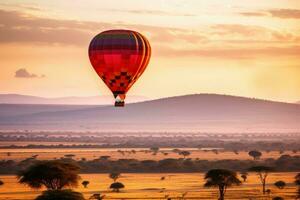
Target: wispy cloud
(286,13)
(23,73)
(232,53)
(254,14)
(278,13)
(153,12)
(19,27)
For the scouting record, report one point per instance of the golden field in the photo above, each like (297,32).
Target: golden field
(140,154)
(150,186)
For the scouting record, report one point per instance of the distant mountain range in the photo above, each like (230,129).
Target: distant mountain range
(93,100)
(201,113)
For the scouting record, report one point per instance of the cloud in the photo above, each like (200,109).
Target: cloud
(244,30)
(17,27)
(153,12)
(231,53)
(253,14)
(279,13)
(23,73)
(219,40)
(286,13)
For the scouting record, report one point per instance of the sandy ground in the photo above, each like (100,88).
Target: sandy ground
(150,186)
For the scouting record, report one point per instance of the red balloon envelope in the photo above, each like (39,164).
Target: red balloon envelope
(119,57)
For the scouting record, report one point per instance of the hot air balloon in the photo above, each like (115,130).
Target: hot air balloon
(119,57)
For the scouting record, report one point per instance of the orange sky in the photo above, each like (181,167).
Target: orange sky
(246,48)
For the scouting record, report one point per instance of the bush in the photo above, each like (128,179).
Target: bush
(60,195)
(280,184)
(116,186)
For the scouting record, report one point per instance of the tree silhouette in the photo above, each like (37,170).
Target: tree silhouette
(104,157)
(297,179)
(154,150)
(184,153)
(85,183)
(60,195)
(222,179)
(244,176)
(70,156)
(262,172)
(54,175)
(114,176)
(116,186)
(280,184)
(1,183)
(255,154)
(97,196)
(277,198)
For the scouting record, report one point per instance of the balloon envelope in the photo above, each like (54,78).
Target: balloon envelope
(119,57)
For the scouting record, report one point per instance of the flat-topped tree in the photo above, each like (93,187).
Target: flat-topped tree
(154,149)
(280,184)
(54,175)
(297,179)
(262,172)
(244,176)
(85,183)
(255,154)
(114,176)
(116,186)
(184,153)
(221,179)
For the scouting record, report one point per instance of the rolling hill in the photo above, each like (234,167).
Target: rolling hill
(200,112)
(92,100)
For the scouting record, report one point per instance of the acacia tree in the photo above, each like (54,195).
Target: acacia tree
(244,176)
(184,153)
(154,150)
(116,186)
(262,172)
(297,181)
(255,154)
(114,176)
(54,175)
(222,179)
(85,183)
(280,184)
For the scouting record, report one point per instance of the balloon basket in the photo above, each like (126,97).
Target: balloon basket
(119,104)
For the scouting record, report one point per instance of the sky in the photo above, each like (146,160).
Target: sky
(246,48)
